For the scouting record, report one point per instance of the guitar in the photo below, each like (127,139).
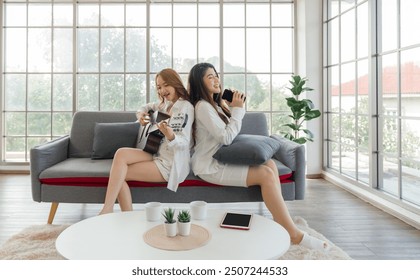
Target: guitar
(154,138)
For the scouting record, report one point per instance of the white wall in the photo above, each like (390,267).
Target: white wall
(309,64)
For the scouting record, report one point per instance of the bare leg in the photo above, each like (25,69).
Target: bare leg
(264,176)
(128,164)
(267,177)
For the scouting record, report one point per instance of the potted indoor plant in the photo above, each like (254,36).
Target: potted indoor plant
(170,223)
(184,222)
(302,110)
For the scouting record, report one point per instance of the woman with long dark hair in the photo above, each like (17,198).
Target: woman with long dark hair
(216,124)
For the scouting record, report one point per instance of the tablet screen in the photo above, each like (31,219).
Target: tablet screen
(236,220)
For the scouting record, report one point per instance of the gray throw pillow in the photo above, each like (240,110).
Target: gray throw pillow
(109,137)
(247,149)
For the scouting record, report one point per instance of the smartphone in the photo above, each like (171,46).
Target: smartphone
(228,95)
(236,221)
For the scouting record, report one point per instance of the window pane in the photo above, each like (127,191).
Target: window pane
(281,14)
(258,55)
(362,86)
(88,93)
(185,14)
(258,93)
(279,92)
(160,48)
(411,181)
(61,123)
(348,128)
(15,149)
(88,49)
(333,8)
(136,50)
(14,14)
(208,46)
(234,58)
(15,124)
(258,15)
(160,14)
(185,55)
(389,128)
(234,15)
(390,91)
(236,81)
(410,21)
(348,88)
(62,93)
(348,36)
(39,124)
(63,50)
(282,50)
(348,161)
(363,133)
(112,49)
(347,4)
(135,91)
(112,93)
(39,50)
(88,15)
(410,82)
(63,14)
(335,127)
(389,25)
(410,131)
(208,14)
(39,14)
(15,48)
(15,92)
(362,31)
(135,15)
(363,166)
(390,175)
(334,73)
(39,92)
(334,42)
(112,15)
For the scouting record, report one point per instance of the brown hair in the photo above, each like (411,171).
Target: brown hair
(172,78)
(197,90)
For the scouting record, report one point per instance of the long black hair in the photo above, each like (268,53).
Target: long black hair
(198,91)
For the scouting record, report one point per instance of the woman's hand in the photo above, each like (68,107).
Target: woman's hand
(143,118)
(166,130)
(238,99)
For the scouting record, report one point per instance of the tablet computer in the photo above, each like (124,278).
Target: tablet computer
(236,221)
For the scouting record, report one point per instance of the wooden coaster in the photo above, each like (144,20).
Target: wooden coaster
(157,238)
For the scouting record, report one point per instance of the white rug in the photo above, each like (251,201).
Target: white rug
(38,243)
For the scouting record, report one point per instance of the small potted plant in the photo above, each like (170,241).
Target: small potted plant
(170,223)
(184,222)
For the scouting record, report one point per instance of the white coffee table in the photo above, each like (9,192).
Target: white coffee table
(119,236)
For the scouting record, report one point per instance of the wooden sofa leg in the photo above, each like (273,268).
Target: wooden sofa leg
(53,209)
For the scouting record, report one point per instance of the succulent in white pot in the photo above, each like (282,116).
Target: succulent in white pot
(184,223)
(170,223)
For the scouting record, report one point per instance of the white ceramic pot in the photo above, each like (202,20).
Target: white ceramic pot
(170,229)
(184,229)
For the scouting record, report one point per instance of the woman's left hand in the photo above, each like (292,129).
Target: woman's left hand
(166,130)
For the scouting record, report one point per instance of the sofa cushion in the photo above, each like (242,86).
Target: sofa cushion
(248,150)
(109,137)
(82,129)
(94,173)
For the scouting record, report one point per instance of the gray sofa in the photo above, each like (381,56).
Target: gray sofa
(62,170)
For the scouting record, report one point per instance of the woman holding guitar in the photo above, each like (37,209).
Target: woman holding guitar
(132,164)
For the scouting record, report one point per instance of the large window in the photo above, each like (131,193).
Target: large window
(373,94)
(64,56)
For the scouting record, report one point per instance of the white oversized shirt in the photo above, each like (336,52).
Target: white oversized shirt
(176,153)
(212,133)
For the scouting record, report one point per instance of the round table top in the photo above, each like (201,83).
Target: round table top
(119,236)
